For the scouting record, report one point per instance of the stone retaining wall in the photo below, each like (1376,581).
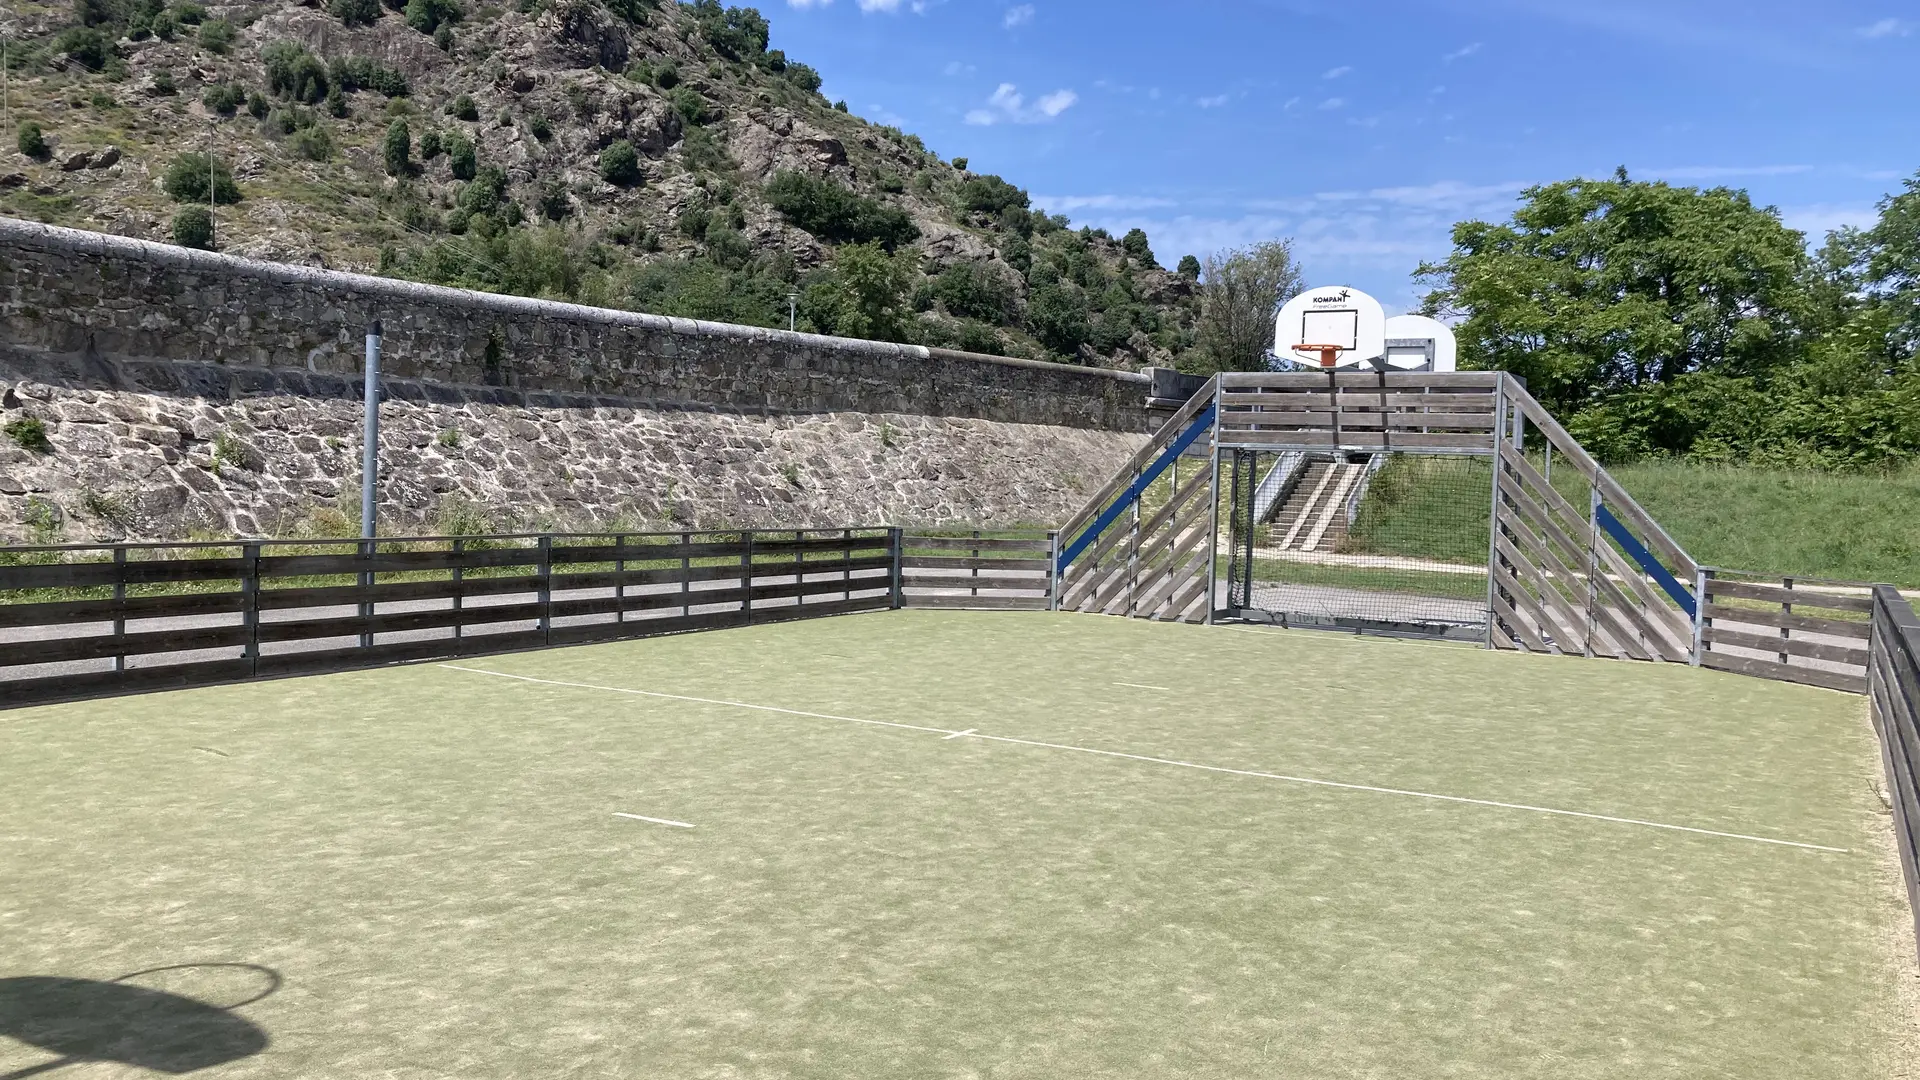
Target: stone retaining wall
(86,309)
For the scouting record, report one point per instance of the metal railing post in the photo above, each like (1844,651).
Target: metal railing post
(250,604)
(459,590)
(896,540)
(746,578)
(686,574)
(1053,569)
(120,599)
(546,587)
(620,581)
(1700,578)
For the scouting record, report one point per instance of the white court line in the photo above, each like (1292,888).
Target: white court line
(957,734)
(1164,761)
(637,817)
(1144,686)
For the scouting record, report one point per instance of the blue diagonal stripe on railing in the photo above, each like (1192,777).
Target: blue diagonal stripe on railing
(1140,484)
(1680,593)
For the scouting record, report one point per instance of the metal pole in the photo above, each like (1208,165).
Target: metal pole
(370,448)
(791,298)
(1213,514)
(1700,578)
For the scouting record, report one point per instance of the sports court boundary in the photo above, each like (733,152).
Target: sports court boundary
(949,733)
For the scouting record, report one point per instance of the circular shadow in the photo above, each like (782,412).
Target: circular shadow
(84,1019)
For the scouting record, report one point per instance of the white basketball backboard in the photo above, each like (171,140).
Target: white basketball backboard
(1335,320)
(1417,343)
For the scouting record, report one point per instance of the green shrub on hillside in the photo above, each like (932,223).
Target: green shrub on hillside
(355,12)
(216,35)
(427,16)
(352,73)
(293,72)
(461,159)
(832,212)
(193,228)
(976,291)
(396,149)
(223,98)
(620,164)
(192,174)
(32,141)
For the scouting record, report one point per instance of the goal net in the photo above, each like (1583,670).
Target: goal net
(1387,542)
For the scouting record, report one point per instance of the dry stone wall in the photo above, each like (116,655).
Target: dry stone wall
(125,465)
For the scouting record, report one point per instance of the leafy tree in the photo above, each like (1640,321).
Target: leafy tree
(1189,267)
(700,288)
(463,108)
(975,291)
(989,194)
(1135,244)
(1598,286)
(32,141)
(554,202)
(1057,316)
(351,73)
(1241,292)
(312,143)
(430,145)
(88,46)
(735,33)
(1886,265)
(620,164)
(193,228)
(865,293)
(832,212)
(189,176)
(397,149)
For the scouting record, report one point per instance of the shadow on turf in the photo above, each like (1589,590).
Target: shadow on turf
(86,1020)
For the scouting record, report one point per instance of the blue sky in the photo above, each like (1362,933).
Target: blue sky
(1364,130)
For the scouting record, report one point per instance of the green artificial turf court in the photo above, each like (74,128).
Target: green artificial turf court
(948,844)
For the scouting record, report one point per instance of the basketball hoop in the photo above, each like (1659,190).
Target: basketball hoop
(1329,354)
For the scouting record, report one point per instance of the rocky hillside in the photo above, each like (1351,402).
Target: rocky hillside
(630,153)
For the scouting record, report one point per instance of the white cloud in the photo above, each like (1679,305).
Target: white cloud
(955,67)
(1213,102)
(1020,15)
(1335,73)
(1067,204)
(1886,28)
(1333,103)
(1008,105)
(1292,104)
(888,6)
(1816,220)
(1461,53)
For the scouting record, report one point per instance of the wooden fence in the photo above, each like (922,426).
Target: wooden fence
(81,622)
(1360,412)
(977,571)
(1894,692)
(1804,630)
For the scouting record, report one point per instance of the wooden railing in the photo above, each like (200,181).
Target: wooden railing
(1357,411)
(1794,629)
(1893,679)
(976,571)
(87,621)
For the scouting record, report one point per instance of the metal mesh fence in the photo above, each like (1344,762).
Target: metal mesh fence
(1389,543)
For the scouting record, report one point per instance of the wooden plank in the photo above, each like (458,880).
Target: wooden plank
(937,562)
(50,688)
(1504,614)
(1812,624)
(1397,380)
(1476,401)
(1547,608)
(1747,590)
(981,603)
(96,646)
(346,658)
(392,592)
(1554,575)
(1370,422)
(1768,669)
(960,543)
(1838,654)
(816,611)
(93,574)
(174,605)
(1411,442)
(1024,583)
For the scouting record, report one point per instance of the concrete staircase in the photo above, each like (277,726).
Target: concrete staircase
(1314,516)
